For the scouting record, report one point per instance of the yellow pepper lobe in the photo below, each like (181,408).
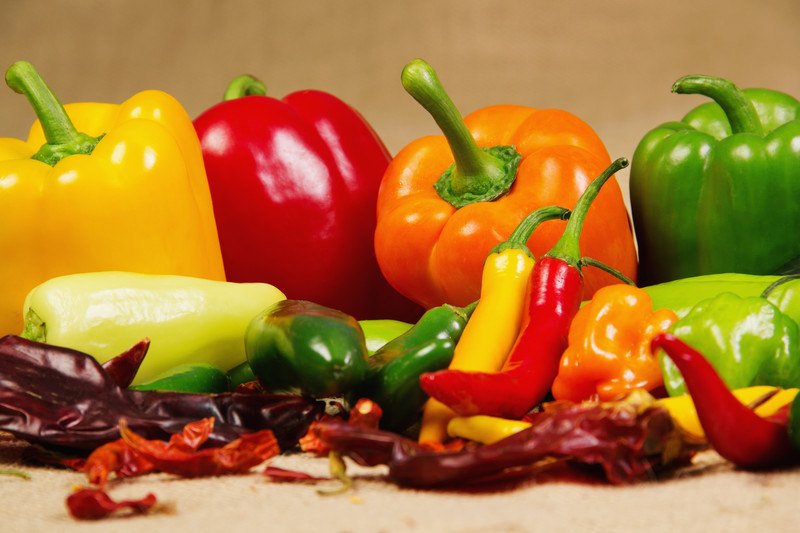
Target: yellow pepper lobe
(140,202)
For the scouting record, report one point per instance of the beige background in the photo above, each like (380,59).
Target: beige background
(610,62)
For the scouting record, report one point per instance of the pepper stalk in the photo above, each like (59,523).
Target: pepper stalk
(63,140)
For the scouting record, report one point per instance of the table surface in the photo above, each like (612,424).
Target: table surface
(710,495)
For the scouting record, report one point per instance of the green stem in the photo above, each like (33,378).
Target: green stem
(244,85)
(738,108)
(568,246)
(477,175)
(588,261)
(63,139)
(522,233)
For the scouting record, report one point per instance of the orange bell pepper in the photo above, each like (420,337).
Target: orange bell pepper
(608,353)
(446,201)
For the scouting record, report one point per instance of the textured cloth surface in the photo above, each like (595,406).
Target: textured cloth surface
(708,496)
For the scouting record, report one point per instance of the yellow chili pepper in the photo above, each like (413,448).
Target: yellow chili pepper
(609,354)
(489,429)
(683,411)
(494,325)
(484,429)
(99,187)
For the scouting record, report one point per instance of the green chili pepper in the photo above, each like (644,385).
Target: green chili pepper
(296,345)
(196,378)
(749,341)
(683,294)
(376,334)
(394,370)
(188,320)
(717,192)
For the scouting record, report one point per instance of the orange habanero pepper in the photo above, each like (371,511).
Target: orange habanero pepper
(609,354)
(446,201)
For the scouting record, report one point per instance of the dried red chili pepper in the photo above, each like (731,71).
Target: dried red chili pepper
(123,368)
(733,429)
(365,414)
(629,441)
(554,296)
(94,504)
(120,458)
(63,398)
(236,457)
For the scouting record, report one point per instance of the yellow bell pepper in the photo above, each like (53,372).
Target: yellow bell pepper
(101,187)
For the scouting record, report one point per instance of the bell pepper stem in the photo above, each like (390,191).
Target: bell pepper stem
(477,175)
(740,111)
(568,248)
(522,233)
(244,85)
(63,139)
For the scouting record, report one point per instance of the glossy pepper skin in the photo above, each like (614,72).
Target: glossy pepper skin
(716,191)
(749,342)
(188,320)
(297,345)
(734,430)
(496,166)
(608,353)
(495,324)
(554,297)
(137,199)
(394,370)
(294,183)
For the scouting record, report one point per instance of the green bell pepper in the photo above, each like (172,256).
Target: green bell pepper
(717,192)
(394,370)
(300,346)
(749,341)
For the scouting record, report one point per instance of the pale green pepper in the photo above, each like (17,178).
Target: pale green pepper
(188,320)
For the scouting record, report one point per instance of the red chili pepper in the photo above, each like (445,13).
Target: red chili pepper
(294,184)
(554,296)
(736,432)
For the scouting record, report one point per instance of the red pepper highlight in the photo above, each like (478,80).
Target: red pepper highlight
(555,291)
(736,432)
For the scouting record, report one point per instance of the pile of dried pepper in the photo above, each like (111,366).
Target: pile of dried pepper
(512,359)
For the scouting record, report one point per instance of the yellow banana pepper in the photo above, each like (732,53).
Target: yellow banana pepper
(101,187)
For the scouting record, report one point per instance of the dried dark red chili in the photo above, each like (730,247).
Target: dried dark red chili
(630,442)
(94,504)
(123,368)
(736,432)
(554,296)
(64,399)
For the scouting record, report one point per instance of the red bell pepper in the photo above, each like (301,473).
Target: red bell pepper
(294,183)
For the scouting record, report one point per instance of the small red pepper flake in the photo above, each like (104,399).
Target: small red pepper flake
(94,504)
(281,474)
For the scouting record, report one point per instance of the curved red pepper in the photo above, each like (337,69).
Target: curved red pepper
(555,292)
(734,430)
(294,184)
